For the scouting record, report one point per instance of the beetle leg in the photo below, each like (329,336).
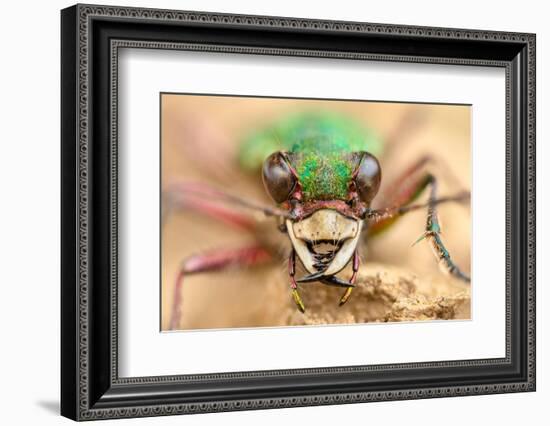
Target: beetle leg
(213,261)
(215,211)
(355,268)
(293,284)
(406,189)
(385,217)
(214,202)
(433,235)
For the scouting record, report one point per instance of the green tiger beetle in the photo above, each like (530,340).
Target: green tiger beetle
(321,170)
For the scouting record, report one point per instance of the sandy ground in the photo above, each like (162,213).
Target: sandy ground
(397,282)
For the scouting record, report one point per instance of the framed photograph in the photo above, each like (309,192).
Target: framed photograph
(263,212)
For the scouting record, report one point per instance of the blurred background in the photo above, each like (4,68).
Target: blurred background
(200,138)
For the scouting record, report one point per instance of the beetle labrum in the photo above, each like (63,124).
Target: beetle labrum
(322,172)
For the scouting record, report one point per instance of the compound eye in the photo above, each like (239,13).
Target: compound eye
(367,177)
(279,181)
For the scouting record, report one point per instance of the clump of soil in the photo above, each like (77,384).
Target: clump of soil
(382,294)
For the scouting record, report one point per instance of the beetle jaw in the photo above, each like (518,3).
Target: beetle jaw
(324,241)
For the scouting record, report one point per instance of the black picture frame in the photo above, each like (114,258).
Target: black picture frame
(90,386)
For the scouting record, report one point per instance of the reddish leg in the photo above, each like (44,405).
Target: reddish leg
(293,285)
(213,261)
(403,189)
(406,189)
(355,268)
(216,211)
(403,186)
(214,202)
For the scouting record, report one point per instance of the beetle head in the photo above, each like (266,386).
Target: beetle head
(323,232)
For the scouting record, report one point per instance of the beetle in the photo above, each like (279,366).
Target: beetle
(321,170)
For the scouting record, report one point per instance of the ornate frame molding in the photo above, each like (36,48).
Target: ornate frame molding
(88,403)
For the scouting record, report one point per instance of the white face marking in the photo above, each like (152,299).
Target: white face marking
(329,226)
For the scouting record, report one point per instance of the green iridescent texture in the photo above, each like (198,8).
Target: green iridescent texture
(319,145)
(324,168)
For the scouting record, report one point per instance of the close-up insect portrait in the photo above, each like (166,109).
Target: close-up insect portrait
(298,212)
